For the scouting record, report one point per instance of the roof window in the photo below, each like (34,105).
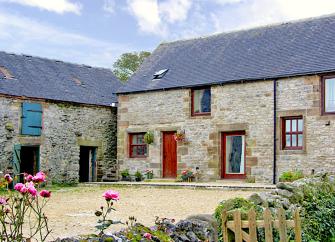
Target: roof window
(6,73)
(160,74)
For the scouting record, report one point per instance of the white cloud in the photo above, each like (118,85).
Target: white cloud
(174,10)
(46,40)
(147,15)
(251,13)
(153,16)
(58,6)
(109,6)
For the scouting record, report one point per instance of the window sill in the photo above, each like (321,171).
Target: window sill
(201,116)
(292,152)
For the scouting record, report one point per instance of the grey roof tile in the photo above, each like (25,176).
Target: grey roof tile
(288,49)
(37,77)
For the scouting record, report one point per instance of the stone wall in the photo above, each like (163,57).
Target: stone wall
(235,107)
(66,127)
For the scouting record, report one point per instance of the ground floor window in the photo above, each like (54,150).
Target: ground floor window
(292,133)
(137,146)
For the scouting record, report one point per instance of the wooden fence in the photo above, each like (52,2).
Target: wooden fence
(239,227)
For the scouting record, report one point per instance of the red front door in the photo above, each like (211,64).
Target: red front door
(169,155)
(233,155)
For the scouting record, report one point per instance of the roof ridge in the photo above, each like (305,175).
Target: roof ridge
(55,60)
(266,26)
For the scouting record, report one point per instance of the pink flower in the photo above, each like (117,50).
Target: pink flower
(45,193)
(3,201)
(184,172)
(24,190)
(147,236)
(28,177)
(8,178)
(39,177)
(111,195)
(31,189)
(18,186)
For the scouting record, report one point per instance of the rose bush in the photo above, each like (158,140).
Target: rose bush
(21,211)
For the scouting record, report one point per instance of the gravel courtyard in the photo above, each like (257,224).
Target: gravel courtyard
(71,210)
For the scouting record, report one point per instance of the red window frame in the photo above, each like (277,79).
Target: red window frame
(292,133)
(131,145)
(192,102)
(323,94)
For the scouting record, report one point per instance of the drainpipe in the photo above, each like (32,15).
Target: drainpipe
(274,131)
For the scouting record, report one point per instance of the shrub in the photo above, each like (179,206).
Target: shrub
(23,210)
(290,176)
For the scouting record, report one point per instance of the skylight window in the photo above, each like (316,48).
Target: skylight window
(5,73)
(160,74)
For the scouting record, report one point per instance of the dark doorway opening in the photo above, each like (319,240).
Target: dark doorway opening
(87,164)
(30,156)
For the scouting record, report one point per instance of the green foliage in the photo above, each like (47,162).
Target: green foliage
(149,137)
(318,212)
(125,173)
(290,176)
(128,63)
(139,175)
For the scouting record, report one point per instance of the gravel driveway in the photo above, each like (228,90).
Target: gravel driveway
(71,210)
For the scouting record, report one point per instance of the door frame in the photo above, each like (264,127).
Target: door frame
(163,133)
(223,157)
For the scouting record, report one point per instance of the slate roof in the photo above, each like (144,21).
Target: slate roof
(282,50)
(37,77)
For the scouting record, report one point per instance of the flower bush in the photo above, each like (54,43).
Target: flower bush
(179,135)
(22,210)
(187,175)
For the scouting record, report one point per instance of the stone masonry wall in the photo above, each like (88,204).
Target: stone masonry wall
(235,107)
(65,128)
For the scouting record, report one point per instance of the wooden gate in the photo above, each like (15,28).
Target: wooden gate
(238,226)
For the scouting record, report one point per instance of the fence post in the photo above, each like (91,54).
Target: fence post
(252,225)
(224,226)
(268,225)
(297,226)
(282,225)
(238,226)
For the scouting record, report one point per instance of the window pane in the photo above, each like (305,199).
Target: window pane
(202,101)
(288,140)
(206,101)
(294,125)
(294,140)
(134,150)
(330,95)
(288,125)
(300,125)
(300,140)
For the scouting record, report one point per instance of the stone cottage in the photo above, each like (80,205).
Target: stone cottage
(57,117)
(251,103)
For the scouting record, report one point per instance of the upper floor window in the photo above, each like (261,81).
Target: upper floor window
(293,133)
(328,94)
(201,101)
(31,119)
(137,146)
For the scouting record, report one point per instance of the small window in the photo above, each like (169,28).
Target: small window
(137,147)
(328,93)
(31,119)
(160,74)
(293,133)
(201,101)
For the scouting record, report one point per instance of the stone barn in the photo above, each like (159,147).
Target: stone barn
(250,103)
(57,117)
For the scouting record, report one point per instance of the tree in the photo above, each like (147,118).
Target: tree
(128,63)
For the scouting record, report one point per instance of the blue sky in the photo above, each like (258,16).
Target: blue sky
(96,32)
